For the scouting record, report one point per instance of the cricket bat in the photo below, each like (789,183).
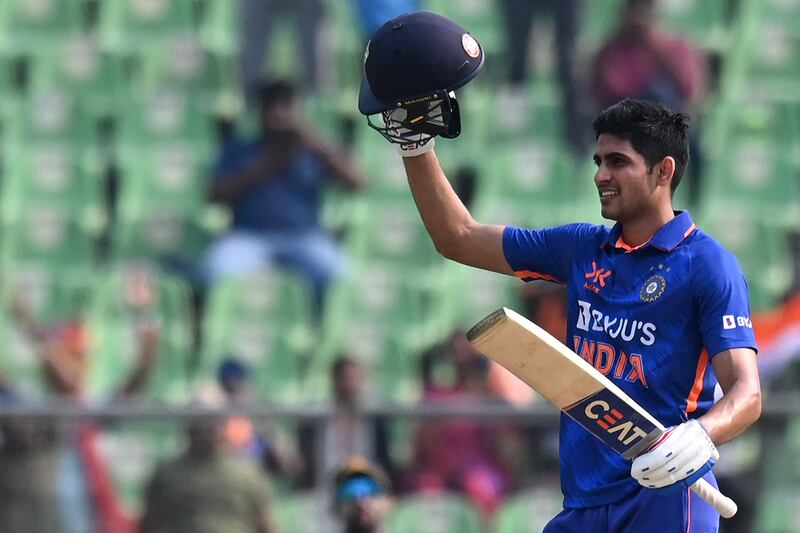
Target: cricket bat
(577,389)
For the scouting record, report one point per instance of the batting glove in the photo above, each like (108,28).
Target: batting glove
(682,455)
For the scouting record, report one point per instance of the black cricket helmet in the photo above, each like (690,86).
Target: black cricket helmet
(412,65)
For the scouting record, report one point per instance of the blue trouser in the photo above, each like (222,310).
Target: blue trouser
(647,511)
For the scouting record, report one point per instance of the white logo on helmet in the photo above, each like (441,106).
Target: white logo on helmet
(471,46)
(366,52)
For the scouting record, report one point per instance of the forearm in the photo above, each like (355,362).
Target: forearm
(233,186)
(734,413)
(445,217)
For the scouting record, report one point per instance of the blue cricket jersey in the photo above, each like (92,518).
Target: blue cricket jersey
(650,318)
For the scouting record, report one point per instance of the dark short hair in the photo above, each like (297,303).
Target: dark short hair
(276,92)
(653,131)
(341,363)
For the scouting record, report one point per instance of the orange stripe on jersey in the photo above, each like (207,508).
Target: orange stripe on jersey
(697,388)
(621,244)
(690,230)
(535,275)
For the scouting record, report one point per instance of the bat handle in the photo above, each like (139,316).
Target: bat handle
(723,505)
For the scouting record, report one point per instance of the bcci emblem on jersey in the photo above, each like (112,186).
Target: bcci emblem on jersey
(653,288)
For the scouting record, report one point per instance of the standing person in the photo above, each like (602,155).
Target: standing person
(641,60)
(518,17)
(206,489)
(654,303)
(274,185)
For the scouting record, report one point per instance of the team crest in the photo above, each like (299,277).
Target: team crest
(653,288)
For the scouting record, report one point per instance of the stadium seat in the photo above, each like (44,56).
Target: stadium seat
(47,232)
(482,19)
(158,232)
(112,321)
(97,79)
(171,174)
(219,28)
(54,114)
(265,319)
(435,513)
(528,511)
(128,26)
(29,26)
(166,115)
(182,63)
(54,172)
(304,513)
(704,22)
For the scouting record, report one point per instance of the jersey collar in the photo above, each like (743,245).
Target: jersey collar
(665,239)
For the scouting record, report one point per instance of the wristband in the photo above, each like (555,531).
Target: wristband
(415,149)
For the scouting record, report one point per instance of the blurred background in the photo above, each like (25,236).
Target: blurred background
(216,290)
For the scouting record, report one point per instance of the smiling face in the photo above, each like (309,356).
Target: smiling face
(628,188)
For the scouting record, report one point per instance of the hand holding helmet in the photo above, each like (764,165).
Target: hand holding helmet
(412,65)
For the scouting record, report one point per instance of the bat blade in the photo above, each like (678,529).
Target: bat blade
(576,388)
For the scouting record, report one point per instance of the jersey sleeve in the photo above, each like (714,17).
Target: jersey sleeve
(545,253)
(723,304)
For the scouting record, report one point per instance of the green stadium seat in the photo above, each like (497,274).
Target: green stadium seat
(779,500)
(29,26)
(47,232)
(384,319)
(54,115)
(265,319)
(132,450)
(182,63)
(170,174)
(304,513)
(443,513)
(130,25)
(536,178)
(395,234)
(219,28)
(54,172)
(528,511)
(158,231)
(166,115)
(112,321)
(705,22)
(774,66)
(482,19)
(98,79)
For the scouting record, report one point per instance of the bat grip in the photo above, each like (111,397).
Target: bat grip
(723,505)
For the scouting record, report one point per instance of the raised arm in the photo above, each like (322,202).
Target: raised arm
(452,229)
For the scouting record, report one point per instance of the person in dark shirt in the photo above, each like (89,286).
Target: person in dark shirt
(273,184)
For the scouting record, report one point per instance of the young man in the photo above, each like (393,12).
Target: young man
(651,301)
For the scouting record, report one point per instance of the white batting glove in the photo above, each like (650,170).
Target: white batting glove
(414,149)
(679,458)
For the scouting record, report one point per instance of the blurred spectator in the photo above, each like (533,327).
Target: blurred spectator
(245,437)
(463,454)
(641,60)
(374,13)
(258,22)
(518,18)
(361,497)
(347,432)
(274,186)
(29,466)
(206,489)
(85,493)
